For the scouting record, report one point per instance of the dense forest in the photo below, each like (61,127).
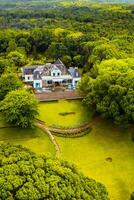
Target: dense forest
(98,38)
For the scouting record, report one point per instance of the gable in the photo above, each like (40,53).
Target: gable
(55,71)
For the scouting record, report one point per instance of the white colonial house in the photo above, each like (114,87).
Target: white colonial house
(51,75)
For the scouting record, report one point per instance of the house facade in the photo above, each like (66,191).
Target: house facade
(51,75)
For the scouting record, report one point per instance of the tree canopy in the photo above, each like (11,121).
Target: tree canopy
(109,87)
(25,175)
(9,82)
(19,108)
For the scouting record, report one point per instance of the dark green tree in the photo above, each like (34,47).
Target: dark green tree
(17,58)
(9,82)
(19,108)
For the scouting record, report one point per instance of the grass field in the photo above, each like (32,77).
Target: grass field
(50,113)
(89,153)
(35,139)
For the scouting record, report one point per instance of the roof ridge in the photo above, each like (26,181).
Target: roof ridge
(58,61)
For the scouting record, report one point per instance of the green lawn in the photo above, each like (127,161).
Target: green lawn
(35,139)
(89,153)
(50,113)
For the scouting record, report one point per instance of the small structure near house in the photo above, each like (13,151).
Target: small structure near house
(51,75)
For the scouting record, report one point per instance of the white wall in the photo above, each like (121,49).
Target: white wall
(75,81)
(28,78)
(35,82)
(56,71)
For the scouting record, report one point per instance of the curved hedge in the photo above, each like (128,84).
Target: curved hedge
(27,176)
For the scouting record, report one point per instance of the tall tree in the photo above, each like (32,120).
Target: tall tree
(19,108)
(9,82)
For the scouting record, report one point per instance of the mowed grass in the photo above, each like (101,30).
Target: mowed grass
(89,153)
(34,139)
(49,112)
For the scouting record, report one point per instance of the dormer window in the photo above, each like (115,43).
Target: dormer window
(53,74)
(58,74)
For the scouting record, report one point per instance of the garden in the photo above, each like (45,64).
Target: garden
(105,154)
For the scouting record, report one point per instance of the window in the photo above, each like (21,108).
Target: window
(37,85)
(53,74)
(70,81)
(28,77)
(49,82)
(58,74)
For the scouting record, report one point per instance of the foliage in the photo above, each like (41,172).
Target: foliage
(17,58)
(4,64)
(132,196)
(81,33)
(111,92)
(24,175)
(8,82)
(19,108)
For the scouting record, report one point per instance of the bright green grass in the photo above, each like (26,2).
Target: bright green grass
(35,139)
(89,153)
(49,112)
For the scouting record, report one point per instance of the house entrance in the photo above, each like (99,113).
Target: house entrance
(57,84)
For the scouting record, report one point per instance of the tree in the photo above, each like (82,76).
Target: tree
(4,64)
(78,61)
(104,51)
(111,91)
(57,50)
(67,60)
(17,58)
(25,175)
(22,42)
(19,108)
(9,82)
(12,46)
(132,196)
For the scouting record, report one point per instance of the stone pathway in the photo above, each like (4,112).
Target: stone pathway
(72,130)
(52,138)
(48,129)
